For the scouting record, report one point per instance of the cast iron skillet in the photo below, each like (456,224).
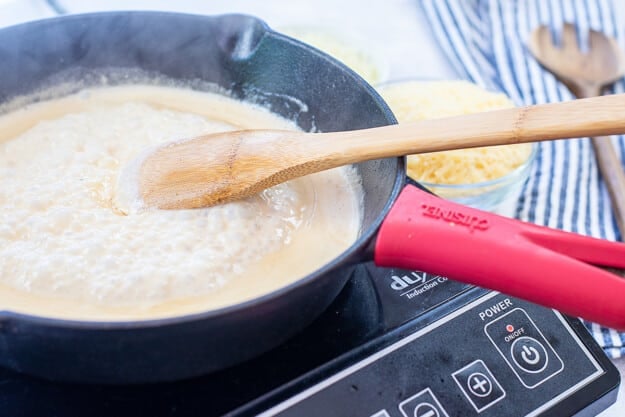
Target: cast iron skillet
(242,55)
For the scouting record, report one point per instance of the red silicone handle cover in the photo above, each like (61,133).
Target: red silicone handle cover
(542,265)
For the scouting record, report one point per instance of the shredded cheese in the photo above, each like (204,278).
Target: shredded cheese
(419,100)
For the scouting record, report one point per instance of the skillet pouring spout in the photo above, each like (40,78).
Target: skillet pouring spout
(549,267)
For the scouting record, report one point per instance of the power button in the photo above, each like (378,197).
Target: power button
(524,347)
(529,354)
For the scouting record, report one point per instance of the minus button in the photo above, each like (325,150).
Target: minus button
(426,410)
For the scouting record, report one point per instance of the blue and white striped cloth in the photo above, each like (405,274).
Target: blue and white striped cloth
(486,42)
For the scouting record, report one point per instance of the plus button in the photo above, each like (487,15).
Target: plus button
(479,384)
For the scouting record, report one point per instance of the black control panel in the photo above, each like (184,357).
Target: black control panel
(493,356)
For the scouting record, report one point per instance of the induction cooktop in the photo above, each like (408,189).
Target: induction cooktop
(394,343)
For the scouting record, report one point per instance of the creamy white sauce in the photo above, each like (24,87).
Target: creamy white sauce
(66,250)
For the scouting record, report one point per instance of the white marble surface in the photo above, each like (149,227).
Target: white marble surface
(395,29)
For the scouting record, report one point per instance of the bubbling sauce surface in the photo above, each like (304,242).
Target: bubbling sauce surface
(67,251)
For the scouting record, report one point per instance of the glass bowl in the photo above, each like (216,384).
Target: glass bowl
(419,99)
(487,195)
(357,53)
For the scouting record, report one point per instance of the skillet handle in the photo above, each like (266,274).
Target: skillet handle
(538,264)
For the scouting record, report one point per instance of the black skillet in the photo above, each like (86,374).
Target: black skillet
(239,54)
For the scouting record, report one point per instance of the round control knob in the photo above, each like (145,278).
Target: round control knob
(529,354)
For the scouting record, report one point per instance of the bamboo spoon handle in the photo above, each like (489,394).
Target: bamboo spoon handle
(578,118)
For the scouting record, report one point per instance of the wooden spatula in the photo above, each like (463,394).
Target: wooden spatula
(586,73)
(222,167)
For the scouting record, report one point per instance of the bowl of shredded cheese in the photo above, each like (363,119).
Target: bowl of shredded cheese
(360,56)
(479,177)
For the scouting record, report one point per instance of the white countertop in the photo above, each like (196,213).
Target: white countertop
(396,29)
